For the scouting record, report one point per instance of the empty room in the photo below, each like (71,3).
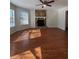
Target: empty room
(38,29)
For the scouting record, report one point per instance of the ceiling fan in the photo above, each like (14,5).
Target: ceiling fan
(45,3)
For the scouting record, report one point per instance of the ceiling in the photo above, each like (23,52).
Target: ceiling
(31,4)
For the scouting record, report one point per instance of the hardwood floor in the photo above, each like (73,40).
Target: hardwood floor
(40,43)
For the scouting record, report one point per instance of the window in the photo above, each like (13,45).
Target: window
(12,18)
(24,18)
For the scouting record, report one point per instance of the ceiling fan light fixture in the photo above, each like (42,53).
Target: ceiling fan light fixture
(44,5)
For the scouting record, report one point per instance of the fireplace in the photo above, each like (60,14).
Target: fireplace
(40,22)
(40,18)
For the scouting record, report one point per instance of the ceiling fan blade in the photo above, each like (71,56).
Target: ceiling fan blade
(48,5)
(50,1)
(41,1)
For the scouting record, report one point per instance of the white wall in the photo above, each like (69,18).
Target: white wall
(32,18)
(52,18)
(61,18)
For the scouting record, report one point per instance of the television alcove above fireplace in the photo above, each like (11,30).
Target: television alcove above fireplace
(40,18)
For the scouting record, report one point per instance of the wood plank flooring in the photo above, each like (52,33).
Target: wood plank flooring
(39,43)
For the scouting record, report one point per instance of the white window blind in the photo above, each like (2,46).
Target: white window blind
(12,18)
(24,18)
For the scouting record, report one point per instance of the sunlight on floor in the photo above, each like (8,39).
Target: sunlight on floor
(30,54)
(35,33)
(31,34)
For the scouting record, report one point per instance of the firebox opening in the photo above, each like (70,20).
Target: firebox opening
(41,22)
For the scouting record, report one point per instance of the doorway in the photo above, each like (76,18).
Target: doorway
(66,21)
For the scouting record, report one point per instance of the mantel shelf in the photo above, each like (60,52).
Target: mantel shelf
(40,17)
